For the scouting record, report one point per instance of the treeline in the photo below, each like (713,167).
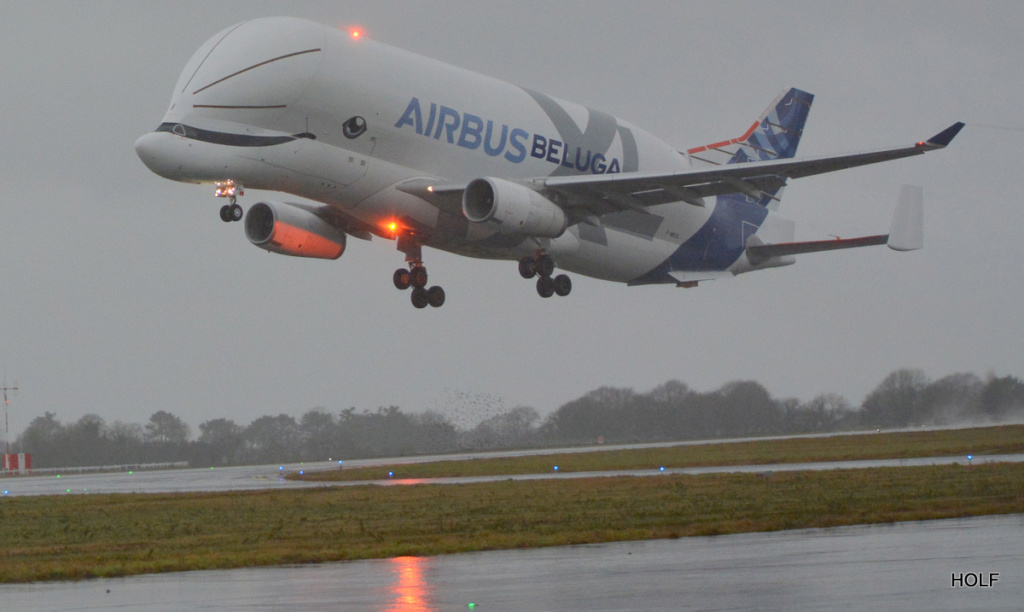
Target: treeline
(672,411)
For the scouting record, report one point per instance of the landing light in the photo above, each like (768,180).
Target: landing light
(228,189)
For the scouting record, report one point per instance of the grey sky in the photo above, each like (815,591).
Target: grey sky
(123,293)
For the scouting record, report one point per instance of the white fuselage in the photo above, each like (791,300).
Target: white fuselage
(297,107)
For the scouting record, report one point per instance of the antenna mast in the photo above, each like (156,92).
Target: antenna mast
(7,402)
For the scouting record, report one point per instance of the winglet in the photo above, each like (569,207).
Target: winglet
(946,136)
(907,231)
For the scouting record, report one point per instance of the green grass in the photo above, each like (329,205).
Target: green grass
(83,536)
(953,442)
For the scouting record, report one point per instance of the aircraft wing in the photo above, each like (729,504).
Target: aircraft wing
(586,195)
(603,193)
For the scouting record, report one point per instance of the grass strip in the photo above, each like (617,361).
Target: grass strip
(85,536)
(1006,439)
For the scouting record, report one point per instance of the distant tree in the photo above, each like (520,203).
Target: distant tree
(85,442)
(126,443)
(671,393)
(41,432)
(823,413)
(602,413)
(951,399)
(1002,397)
(219,432)
(747,410)
(511,429)
(435,432)
(44,439)
(319,435)
(389,431)
(273,439)
(894,402)
(670,411)
(218,444)
(165,427)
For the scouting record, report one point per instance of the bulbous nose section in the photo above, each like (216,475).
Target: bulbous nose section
(152,150)
(250,73)
(145,149)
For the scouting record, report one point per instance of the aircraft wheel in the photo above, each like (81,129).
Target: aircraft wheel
(563,285)
(435,296)
(527,269)
(545,287)
(225,213)
(402,279)
(545,266)
(419,297)
(418,277)
(235,212)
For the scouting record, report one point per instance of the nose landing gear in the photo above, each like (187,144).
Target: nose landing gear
(230,212)
(229,189)
(542,266)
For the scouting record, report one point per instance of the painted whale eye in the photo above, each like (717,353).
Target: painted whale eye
(354,127)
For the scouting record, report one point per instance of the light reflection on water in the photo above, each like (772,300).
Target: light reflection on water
(411,590)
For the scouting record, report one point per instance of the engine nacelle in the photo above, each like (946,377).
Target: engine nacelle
(512,208)
(290,230)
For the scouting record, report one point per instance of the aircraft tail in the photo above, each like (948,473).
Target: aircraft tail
(775,134)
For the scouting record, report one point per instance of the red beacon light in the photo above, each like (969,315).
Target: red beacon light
(355,33)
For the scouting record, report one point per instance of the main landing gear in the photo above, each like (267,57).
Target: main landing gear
(416,276)
(233,211)
(542,266)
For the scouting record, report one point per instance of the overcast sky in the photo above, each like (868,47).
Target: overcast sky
(122,293)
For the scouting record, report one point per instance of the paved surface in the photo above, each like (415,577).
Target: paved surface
(271,476)
(904,566)
(910,566)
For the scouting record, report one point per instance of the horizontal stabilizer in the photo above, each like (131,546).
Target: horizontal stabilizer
(906,233)
(760,253)
(687,278)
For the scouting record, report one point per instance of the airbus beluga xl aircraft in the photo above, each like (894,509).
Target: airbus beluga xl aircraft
(377,141)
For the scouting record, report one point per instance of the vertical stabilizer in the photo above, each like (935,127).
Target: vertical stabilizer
(907,231)
(775,135)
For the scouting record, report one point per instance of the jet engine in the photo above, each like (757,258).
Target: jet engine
(512,208)
(291,230)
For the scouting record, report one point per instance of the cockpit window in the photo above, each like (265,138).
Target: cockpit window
(224,138)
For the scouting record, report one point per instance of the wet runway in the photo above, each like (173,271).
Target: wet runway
(909,566)
(250,477)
